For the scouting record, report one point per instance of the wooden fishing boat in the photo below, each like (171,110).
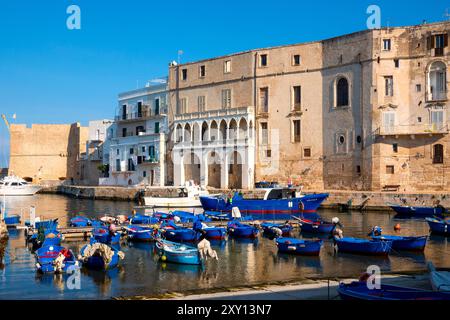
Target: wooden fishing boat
(268,229)
(364,246)
(80,221)
(99,256)
(299,246)
(282,202)
(143,219)
(315,226)
(178,253)
(140,234)
(416,211)
(240,230)
(103,235)
(439,226)
(358,290)
(172,232)
(440,280)
(54,259)
(12,220)
(402,243)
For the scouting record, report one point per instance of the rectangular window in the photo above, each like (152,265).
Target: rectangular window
(118,168)
(388,122)
(439,41)
(297,130)
(297,97)
(395,147)
(307,153)
(184,74)
(389,169)
(182,106)
(264,133)
(268,153)
(157,106)
(143,149)
(396,63)
(263,60)
(156,127)
(139,109)
(418,87)
(389,86)
(202,71)
(151,151)
(201,103)
(118,152)
(387,44)
(227,66)
(264,99)
(131,150)
(296,60)
(124,132)
(124,112)
(226,98)
(144,174)
(437,119)
(358,169)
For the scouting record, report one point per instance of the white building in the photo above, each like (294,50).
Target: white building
(138,138)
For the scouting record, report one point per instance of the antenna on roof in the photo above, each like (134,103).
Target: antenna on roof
(447,15)
(180,53)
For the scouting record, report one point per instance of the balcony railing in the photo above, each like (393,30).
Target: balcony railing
(416,129)
(215,143)
(214,113)
(437,96)
(145,114)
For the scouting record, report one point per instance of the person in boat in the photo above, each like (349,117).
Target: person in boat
(376,231)
(336,232)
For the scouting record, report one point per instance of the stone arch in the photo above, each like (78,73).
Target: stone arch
(187,133)
(233,130)
(179,133)
(243,128)
(342,91)
(214,131)
(214,163)
(223,127)
(437,81)
(235,167)
(192,167)
(205,131)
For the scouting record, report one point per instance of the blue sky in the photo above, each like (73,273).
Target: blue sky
(54,75)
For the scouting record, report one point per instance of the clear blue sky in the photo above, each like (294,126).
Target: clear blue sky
(50,74)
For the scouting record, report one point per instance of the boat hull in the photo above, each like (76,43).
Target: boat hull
(186,202)
(171,252)
(180,235)
(29,190)
(406,243)
(299,247)
(283,208)
(12,221)
(417,211)
(364,247)
(438,226)
(215,233)
(138,234)
(268,229)
(102,235)
(360,291)
(238,230)
(310,226)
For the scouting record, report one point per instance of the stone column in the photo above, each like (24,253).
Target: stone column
(162,159)
(224,171)
(178,168)
(204,169)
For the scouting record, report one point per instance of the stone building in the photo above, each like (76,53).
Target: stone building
(360,111)
(138,138)
(47,151)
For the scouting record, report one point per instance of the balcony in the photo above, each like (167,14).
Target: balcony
(412,130)
(138,116)
(437,96)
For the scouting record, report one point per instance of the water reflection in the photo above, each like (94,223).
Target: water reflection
(241,261)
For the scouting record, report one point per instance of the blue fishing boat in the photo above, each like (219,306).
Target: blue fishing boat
(80,221)
(178,253)
(172,232)
(140,234)
(358,290)
(269,229)
(99,256)
(54,259)
(315,226)
(439,226)
(12,221)
(364,246)
(280,202)
(143,219)
(211,233)
(46,224)
(185,217)
(239,230)
(218,216)
(103,235)
(402,243)
(414,211)
(298,246)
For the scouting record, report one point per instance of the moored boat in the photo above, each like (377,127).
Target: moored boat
(178,253)
(15,186)
(143,219)
(364,246)
(54,259)
(12,220)
(403,243)
(170,231)
(299,246)
(80,221)
(280,202)
(440,280)
(358,290)
(103,235)
(99,256)
(315,226)
(417,211)
(239,230)
(140,234)
(270,229)
(186,197)
(439,226)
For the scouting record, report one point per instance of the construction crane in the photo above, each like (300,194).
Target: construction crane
(6,121)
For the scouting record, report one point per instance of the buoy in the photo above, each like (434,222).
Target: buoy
(163,258)
(397,227)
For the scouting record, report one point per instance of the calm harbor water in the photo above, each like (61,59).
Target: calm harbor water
(241,262)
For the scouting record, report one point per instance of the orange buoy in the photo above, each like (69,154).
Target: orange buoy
(397,227)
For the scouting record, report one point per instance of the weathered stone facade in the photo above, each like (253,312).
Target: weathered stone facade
(362,111)
(47,151)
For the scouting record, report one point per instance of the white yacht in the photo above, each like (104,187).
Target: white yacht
(15,186)
(187,196)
